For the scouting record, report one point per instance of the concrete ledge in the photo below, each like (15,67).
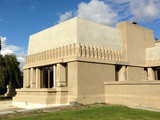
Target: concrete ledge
(42,89)
(35,90)
(132,83)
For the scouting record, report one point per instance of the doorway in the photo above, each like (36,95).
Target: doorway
(48,79)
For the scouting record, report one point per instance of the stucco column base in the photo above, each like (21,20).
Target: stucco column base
(62,95)
(91,99)
(37,98)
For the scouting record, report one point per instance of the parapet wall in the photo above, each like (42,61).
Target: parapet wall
(76,30)
(153,56)
(153,53)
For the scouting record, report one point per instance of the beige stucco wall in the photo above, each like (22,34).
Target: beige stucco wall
(153,52)
(92,33)
(135,41)
(62,34)
(72,81)
(135,73)
(126,36)
(157,44)
(91,77)
(135,94)
(76,30)
(37,98)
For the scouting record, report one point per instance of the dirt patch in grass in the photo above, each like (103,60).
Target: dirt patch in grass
(49,110)
(89,112)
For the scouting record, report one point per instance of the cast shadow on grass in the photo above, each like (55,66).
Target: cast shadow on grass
(3,98)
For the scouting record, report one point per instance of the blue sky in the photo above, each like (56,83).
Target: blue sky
(21,18)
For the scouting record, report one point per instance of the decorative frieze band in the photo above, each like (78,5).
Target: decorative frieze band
(77,50)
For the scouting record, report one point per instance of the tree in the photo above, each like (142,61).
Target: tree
(10,73)
(13,74)
(0,44)
(2,75)
(156,39)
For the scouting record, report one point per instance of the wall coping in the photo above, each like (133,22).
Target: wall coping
(58,89)
(155,82)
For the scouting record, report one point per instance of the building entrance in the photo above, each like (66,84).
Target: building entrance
(48,79)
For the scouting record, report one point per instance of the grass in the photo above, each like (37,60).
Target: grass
(95,113)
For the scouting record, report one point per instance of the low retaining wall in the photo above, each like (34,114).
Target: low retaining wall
(134,94)
(37,98)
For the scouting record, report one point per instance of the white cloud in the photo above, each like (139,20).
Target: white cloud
(138,10)
(8,49)
(119,1)
(95,10)
(65,16)
(12,49)
(21,59)
(109,12)
(145,10)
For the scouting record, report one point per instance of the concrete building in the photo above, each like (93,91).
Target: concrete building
(85,62)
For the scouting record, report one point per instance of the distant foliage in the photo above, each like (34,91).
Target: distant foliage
(156,39)
(10,73)
(2,74)
(0,45)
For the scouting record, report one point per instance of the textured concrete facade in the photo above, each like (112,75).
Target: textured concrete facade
(85,62)
(75,31)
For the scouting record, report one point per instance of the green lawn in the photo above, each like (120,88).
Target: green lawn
(1,96)
(96,113)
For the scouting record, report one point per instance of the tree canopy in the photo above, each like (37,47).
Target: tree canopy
(156,39)
(10,73)
(0,44)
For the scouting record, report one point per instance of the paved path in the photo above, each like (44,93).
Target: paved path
(7,106)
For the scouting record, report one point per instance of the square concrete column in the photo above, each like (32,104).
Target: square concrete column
(41,79)
(33,78)
(49,84)
(26,78)
(151,74)
(54,75)
(122,73)
(38,78)
(61,75)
